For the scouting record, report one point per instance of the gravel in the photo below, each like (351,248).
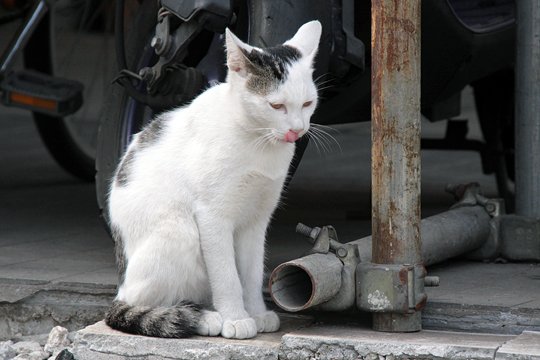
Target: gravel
(57,341)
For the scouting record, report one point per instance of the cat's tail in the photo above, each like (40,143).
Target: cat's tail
(178,321)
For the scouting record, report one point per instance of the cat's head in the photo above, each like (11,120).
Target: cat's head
(276,84)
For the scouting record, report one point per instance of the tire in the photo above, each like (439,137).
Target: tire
(124,116)
(494,98)
(70,140)
(117,125)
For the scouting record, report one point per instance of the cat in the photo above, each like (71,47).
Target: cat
(193,195)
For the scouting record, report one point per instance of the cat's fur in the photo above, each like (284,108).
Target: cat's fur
(194,193)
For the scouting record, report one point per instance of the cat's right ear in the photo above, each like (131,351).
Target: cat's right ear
(236,58)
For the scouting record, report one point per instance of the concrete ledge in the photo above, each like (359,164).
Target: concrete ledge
(523,347)
(99,342)
(300,341)
(341,342)
(34,307)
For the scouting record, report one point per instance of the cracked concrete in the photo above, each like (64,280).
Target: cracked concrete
(35,307)
(526,346)
(299,339)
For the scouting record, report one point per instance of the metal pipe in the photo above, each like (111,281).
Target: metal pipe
(23,35)
(527,94)
(444,236)
(395,134)
(302,283)
(317,279)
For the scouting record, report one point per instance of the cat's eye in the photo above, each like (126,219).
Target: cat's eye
(277,106)
(307,103)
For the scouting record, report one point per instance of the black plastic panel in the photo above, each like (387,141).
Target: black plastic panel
(219,11)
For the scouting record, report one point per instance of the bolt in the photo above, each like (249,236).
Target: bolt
(156,42)
(147,74)
(341,252)
(305,230)
(490,207)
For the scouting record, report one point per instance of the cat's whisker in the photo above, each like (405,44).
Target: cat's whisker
(260,141)
(267,138)
(324,82)
(321,147)
(324,87)
(326,127)
(314,141)
(326,138)
(320,77)
(323,133)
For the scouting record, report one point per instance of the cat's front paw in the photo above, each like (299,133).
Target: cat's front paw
(239,329)
(267,321)
(210,324)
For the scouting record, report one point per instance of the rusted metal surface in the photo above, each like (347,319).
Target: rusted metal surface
(395,114)
(528,109)
(396,130)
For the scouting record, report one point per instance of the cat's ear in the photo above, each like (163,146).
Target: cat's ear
(307,38)
(236,58)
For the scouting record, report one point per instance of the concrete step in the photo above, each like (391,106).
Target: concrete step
(299,339)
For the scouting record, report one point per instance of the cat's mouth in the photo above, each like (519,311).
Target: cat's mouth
(291,136)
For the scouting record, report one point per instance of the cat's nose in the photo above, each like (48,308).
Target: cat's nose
(292,135)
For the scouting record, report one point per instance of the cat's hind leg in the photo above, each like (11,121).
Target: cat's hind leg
(164,275)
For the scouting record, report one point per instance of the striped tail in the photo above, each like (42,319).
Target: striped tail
(178,321)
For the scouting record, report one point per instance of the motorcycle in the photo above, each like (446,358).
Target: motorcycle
(177,51)
(168,51)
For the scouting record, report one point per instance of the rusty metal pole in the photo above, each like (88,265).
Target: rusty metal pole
(395,133)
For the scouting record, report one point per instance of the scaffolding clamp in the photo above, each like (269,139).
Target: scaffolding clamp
(390,288)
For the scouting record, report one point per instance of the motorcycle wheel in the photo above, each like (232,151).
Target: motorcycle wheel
(124,116)
(69,43)
(494,98)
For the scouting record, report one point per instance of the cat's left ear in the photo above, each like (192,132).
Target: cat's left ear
(307,38)
(236,59)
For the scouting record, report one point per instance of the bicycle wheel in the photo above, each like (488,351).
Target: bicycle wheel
(74,41)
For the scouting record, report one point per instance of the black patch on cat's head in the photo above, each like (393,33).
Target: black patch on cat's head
(269,68)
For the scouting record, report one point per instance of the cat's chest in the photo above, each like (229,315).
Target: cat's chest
(272,166)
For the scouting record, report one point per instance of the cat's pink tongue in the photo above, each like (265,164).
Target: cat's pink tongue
(291,136)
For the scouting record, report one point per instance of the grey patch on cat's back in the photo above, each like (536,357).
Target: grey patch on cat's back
(151,133)
(269,68)
(119,254)
(147,137)
(122,175)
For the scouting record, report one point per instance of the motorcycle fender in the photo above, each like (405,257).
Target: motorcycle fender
(215,15)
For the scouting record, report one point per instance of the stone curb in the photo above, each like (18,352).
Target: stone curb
(321,342)
(523,347)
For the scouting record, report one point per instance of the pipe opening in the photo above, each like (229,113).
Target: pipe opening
(291,287)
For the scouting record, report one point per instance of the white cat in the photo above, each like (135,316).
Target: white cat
(195,191)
